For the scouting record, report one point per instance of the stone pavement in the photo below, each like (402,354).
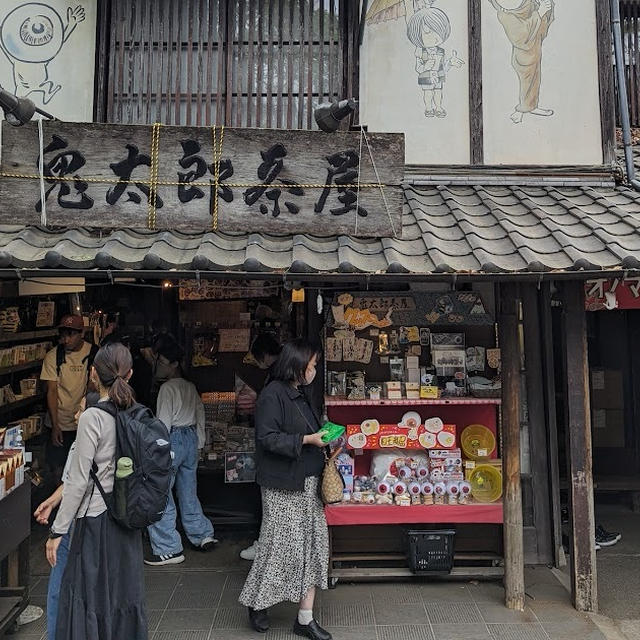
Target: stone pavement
(198,600)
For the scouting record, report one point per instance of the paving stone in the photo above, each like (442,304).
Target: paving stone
(181,635)
(202,599)
(186,620)
(393,614)
(450,613)
(517,632)
(346,615)
(461,632)
(405,632)
(499,613)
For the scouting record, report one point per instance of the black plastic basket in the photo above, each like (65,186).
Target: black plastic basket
(431,551)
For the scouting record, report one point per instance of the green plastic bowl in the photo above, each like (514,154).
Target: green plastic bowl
(331,431)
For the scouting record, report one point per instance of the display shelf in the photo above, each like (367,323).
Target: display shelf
(20,367)
(20,404)
(330,401)
(27,335)
(367,514)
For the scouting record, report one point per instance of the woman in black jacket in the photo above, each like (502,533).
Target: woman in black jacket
(293,549)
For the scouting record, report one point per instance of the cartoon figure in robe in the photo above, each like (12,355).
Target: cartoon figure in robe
(526,24)
(31,36)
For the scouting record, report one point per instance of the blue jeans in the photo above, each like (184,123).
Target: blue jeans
(55,580)
(163,535)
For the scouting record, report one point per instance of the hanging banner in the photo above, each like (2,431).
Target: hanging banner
(203,178)
(609,294)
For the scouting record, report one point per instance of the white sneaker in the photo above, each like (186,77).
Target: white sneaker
(250,552)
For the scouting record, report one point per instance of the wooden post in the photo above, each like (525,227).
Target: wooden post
(582,539)
(513,532)
(548,360)
(534,350)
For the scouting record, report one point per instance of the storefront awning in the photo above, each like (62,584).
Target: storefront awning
(446,229)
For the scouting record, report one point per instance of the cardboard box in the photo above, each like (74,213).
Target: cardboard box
(608,428)
(394,385)
(606,389)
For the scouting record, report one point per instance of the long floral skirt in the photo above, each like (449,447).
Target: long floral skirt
(293,548)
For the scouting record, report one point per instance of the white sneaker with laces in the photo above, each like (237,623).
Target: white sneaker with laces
(250,552)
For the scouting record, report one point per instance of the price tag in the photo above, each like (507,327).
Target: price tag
(482,453)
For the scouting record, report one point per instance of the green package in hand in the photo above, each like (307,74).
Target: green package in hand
(331,431)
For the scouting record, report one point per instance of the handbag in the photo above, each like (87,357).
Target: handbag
(332,484)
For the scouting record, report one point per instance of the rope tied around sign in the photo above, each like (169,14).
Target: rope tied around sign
(217,156)
(153,175)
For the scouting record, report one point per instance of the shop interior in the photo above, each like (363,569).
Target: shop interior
(412,374)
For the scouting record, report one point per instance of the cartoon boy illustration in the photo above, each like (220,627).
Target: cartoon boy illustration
(526,24)
(31,36)
(428,29)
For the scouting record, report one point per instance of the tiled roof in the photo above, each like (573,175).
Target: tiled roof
(445,229)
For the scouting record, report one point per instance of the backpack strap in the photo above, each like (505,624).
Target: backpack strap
(108,407)
(88,359)
(60,358)
(96,483)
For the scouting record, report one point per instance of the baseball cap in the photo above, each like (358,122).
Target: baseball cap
(73,322)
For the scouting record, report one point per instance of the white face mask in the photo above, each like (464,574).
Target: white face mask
(309,378)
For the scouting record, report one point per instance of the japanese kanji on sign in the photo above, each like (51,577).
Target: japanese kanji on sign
(202,178)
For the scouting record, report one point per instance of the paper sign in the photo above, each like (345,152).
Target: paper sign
(333,352)
(234,340)
(46,314)
(391,435)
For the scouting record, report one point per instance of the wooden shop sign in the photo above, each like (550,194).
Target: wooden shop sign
(202,178)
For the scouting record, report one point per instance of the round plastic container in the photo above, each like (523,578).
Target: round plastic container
(477,438)
(486,483)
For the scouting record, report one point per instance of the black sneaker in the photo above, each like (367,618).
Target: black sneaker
(608,534)
(605,539)
(169,558)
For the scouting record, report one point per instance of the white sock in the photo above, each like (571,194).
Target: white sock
(305,616)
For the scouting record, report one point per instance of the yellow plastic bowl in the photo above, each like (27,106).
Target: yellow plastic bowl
(486,483)
(476,437)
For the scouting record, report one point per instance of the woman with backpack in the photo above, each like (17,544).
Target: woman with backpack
(102,592)
(292,557)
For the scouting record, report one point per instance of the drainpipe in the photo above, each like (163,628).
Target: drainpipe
(623,102)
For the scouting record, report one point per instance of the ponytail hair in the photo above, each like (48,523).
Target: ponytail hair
(113,363)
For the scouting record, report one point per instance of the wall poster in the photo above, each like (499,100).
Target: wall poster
(47,51)
(541,101)
(414,77)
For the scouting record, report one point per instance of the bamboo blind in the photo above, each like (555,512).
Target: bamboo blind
(241,63)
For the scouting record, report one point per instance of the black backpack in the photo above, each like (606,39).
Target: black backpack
(141,498)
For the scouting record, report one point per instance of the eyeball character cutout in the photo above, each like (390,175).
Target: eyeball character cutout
(31,36)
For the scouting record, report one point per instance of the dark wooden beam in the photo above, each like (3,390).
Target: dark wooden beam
(549,387)
(512,496)
(475,82)
(582,539)
(537,424)
(607,87)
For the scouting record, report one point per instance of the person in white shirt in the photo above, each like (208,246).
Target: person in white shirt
(182,411)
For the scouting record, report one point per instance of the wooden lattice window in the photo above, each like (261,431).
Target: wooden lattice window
(242,63)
